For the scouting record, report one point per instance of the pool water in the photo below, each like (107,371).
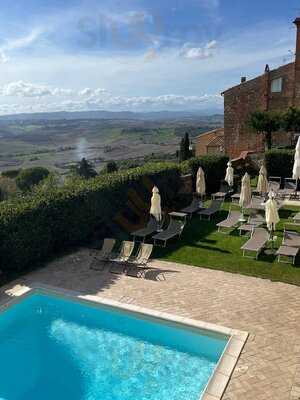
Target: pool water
(59,349)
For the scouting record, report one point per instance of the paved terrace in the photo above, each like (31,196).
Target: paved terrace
(269,367)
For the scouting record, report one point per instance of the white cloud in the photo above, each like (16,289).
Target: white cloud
(96,99)
(198,53)
(27,89)
(22,42)
(88,92)
(3,57)
(18,43)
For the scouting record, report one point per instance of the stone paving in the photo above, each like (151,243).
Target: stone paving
(269,367)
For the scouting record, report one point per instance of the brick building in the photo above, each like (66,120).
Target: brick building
(275,90)
(211,142)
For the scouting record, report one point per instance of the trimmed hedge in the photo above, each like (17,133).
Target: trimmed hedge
(34,228)
(214,167)
(280,163)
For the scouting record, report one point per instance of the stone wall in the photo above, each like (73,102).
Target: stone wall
(204,139)
(240,101)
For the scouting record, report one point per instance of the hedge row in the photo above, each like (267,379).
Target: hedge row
(280,163)
(37,226)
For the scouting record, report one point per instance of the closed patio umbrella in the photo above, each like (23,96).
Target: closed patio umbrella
(155,209)
(229,174)
(200,182)
(272,216)
(262,183)
(246,194)
(296,167)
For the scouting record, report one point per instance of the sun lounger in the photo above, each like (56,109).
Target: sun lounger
(254,221)
(103,255)
(138,264)
(123,256)
(222,193)
(150,229)
(235,198)
(290,246)
(290,188)
(230,222)
(174,229)
(212,209)
(256,243)
(195,206)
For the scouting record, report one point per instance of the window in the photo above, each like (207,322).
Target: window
(276,85)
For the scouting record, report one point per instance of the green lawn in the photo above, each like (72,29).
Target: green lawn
(201,245)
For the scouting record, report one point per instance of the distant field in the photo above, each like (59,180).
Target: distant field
(57,144)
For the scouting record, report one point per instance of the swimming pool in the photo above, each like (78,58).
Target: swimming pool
(54,347)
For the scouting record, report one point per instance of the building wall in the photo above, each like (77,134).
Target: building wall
(204,139)
(242,100)
(239,102)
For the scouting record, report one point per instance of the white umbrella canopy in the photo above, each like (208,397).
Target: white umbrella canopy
(155,209)
(262,183)
(229,174)
(200,182)
(272,216)
(296,167)
(246,194)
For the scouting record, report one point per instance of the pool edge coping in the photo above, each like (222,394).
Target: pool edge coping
(219,379)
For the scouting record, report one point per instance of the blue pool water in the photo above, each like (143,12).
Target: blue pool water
(59,349)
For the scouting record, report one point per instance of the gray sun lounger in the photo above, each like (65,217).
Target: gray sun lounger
(121,259)
(290,189)
(136,266)
(174,229)
(231,222)
(103,255)
(150,229)
(212,209)
(222,193)
(195,206)
(256,243)
(290,246)
(254,221)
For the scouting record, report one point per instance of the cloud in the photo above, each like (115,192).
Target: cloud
(27,89)
(87,92)
(96,99)
(198,53)
(3,57)
(18,43)
(23,41)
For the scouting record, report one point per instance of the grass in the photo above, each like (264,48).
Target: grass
(202,246)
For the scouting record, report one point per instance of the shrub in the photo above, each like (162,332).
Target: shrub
(84,169)
(110,167)
(11,173)
(280,163)
(8,188)
(30,177)
(34,228)
(214,167)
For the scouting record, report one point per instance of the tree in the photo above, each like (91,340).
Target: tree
(111,166)
(30,177)
(265,122)
(184,152)
(291,120)
(84,169)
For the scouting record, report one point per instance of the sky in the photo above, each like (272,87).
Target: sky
(136,55)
